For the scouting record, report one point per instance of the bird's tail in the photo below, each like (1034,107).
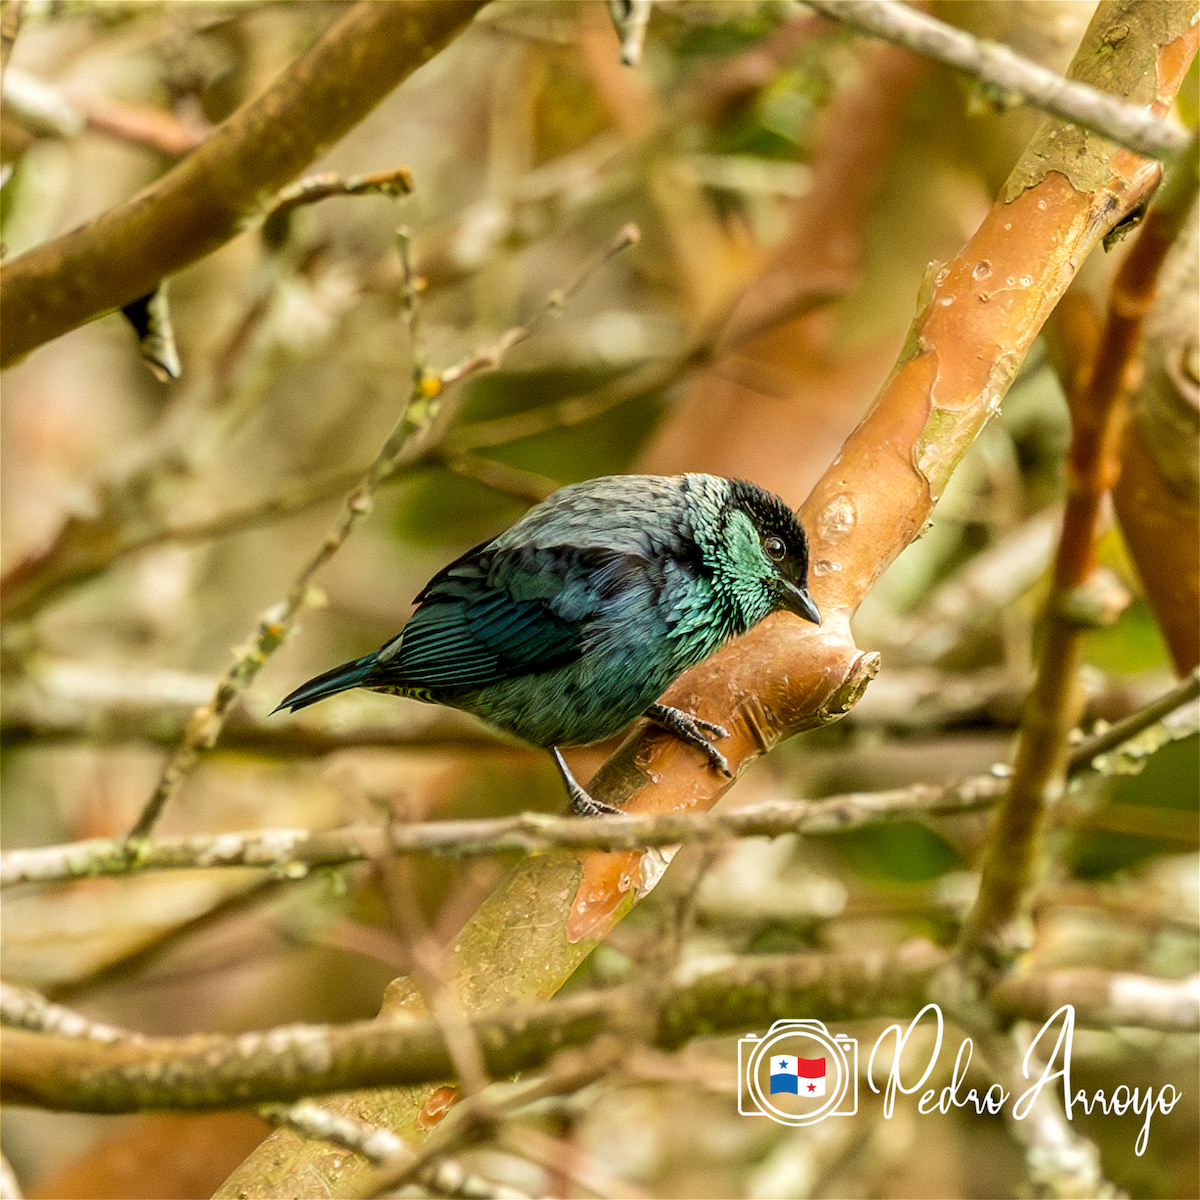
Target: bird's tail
(340,679)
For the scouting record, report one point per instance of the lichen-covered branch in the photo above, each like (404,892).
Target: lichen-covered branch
(376,1145)
(291,853)
(1059,1160)
(21,1008)
(130,1073)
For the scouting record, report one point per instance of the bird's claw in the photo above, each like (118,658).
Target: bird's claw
(582,805)
(692,730)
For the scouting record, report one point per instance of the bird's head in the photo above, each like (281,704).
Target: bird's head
(764,555)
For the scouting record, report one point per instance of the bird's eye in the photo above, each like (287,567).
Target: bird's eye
(776,550)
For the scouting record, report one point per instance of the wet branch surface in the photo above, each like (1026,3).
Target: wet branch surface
(995,930)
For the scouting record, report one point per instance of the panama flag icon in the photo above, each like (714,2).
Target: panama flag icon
(800,1076)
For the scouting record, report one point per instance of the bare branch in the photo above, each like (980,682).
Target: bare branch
(1010,78)
(293,852)
(1123,731)
(21,1008)
(528,486)
(396,182)
(207,198)
(488,357)
(1102,999)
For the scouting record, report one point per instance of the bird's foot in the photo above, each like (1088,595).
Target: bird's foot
(692,730)
(582,805)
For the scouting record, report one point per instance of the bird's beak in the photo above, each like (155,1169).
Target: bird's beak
(797,600)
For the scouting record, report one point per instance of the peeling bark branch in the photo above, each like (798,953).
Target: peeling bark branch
(997,928)
(977,317)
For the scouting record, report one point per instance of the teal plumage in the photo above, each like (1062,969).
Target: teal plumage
(570,624)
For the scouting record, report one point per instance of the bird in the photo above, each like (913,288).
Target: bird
(572,622)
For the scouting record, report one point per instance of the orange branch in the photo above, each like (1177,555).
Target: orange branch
(995,929)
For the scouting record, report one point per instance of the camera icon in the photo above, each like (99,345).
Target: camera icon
(798,1074)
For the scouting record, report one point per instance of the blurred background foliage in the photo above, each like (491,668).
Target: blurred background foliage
(530,146)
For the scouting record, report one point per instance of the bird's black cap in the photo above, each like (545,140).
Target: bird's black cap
(773,518)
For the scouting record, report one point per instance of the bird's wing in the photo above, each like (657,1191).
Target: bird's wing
(493,615)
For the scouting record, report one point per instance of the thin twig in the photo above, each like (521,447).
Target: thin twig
(470,1118)
(1120,732)
(291,853)
(1010,78)
(489,356)
(21,1008)
(140,959)
(528,486)
(313,188)
(717,337)
(376,1144)
(428,971)
(142,125)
